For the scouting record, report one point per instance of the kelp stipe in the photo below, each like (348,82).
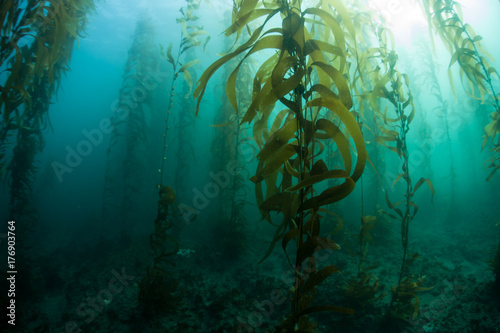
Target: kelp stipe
(157,286)
(393,87)
(300,78)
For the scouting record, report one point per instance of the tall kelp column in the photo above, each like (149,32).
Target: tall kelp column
(132,144)
(157,286)
(37,39)
(305,74)
(35,51)
(476,73)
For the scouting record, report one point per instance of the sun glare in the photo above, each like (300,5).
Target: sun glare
(404,17)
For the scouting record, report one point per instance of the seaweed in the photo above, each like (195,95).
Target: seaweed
(33,71)
(476,73)
(392,87)
(299,76)
(404,300)
(129,148)
(365,288)
(162,242)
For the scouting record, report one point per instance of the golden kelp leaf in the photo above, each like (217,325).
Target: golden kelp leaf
(280,231)
(278,202)
(278,120)
(493,128)
(206,42)
(331,22)
(397,179)
(311,180)
(273,42)
(415,209)
(278,159)
(329,195)
(292,234)
(231,88)
(291,170)
(256,101)
(322,90)
(352,127)
(340,83)
(182,21)
(189,64)
(189,80)
(346,17)
(282,86)
(340,221)
(340,140)
(260,127)
(391,206)
(245,19)
(493,171)
(168,56)
(378,90)
(278,139)
(207,74)
(318,168)
(249,17)
(198,33)
(246,6)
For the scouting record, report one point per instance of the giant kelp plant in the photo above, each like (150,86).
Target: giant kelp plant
(131,143)
(308,73)
(476,73)
(157,285)
(37,39)
(36,47)
(316,97)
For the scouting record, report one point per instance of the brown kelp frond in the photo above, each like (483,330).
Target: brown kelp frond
(363,290)
(404,302)
(306,74)
(35,49)
(476,73)
(169,212)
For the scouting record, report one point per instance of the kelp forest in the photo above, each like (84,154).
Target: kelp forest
(250,166)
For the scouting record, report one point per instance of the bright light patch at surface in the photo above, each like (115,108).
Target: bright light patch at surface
(403,17)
